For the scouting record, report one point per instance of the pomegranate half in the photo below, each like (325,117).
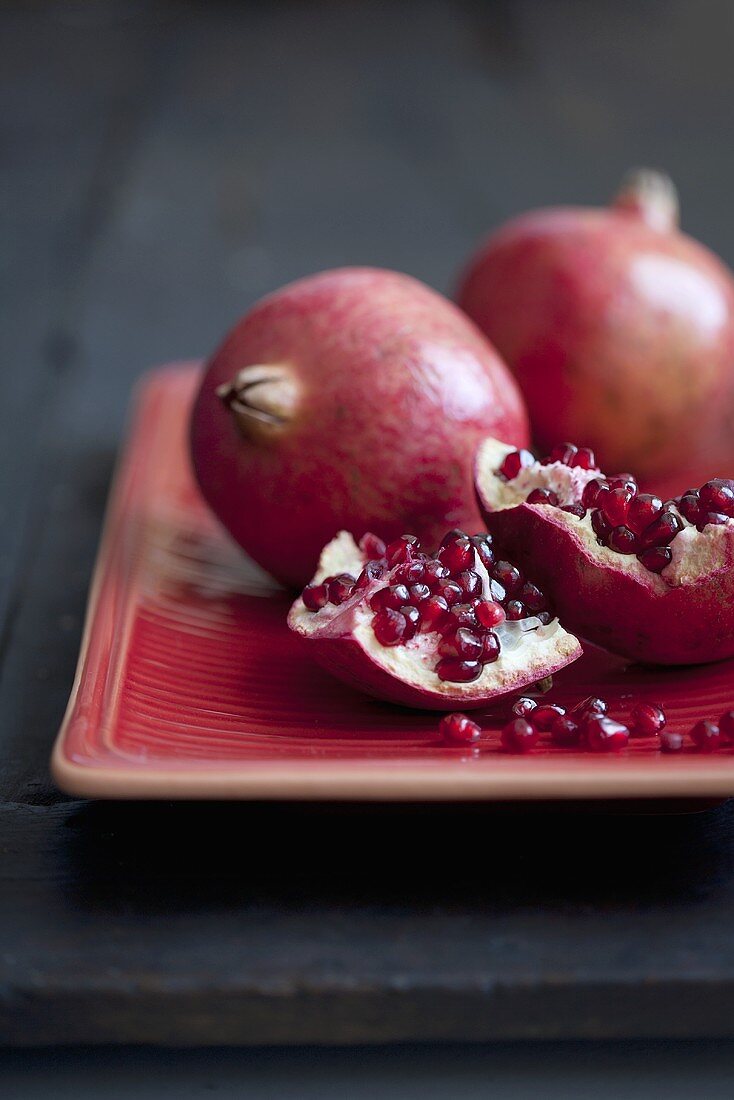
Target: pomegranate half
(650,579)
(431,632)
(351,399)
(619,329)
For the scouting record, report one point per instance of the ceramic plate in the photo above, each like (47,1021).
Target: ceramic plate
(190,685)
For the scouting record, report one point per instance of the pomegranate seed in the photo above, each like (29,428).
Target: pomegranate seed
(600,527)
(389,626)
(594,491)
(458,671)
(412,619)
(515,610)
(508,575)
(622,540)
(459,728)
(394,596)
(577,510)
(689,506)
(497,591)
(489,613)
(544,617)
(372,571)
(490,647)
(545,714)
(434,572)
(716,496)
(469,582)
(462,643)
(662,530)
(656,558)
(514,462)
(643,509)
(372,546)
(451,592)
(406,548)
(519,736)
(647,719)
(715,519)
(726,725)
(564,731)
(315,596)
(418,593)
(671,742)
(605,735)
(457,554)
(562,452)
(706,736)
(410,572)
(615,506)
(340,588)
(623,481)
(591,706)
(584,459)
(433,612)
(463,614)
(542,496)
(483,546)
(523,707)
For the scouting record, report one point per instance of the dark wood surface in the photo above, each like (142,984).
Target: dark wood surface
(164,165)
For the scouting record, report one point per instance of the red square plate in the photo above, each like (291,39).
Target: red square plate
(190,685)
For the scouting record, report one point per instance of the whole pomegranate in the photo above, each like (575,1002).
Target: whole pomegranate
(619,329)
(353,399)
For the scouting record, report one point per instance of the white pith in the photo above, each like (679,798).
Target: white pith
(696,554)
(528,649)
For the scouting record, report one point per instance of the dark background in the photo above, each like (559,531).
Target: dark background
(163,165)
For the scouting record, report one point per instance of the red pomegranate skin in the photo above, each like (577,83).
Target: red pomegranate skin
(620,331)
(383,390)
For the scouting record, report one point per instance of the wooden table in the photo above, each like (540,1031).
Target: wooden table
(166,164)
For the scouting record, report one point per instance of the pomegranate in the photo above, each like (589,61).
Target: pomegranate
(648,579)
(350,399)
(619,329)
(442,639)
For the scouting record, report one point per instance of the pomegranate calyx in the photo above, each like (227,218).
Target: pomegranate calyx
(263,398)
(651,196)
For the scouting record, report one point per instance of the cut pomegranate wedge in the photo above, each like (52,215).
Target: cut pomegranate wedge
(648,579)
(462,627)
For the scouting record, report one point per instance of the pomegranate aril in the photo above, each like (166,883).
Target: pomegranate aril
(515,610)
(412,620)
(457,554)
(565,731)
(717,496)
(588,707)
(406,548)
(372,546)
(726,725)
(646,719)
(410,572)
(523,707)
(689,506)
(491,648)
(340,588)
(433,613)
(544,617)
(469,582)
(315,596)
(671,742)
(451,592)
(545,714)
(593,492)
(389,626)
(603,734)
(508,575)
(615,506)
(562,452)
(489,613)
(623,481)
(457,671)
(622,540)
(483,546)
(519,736)
(600,527)
(542,496)
(584,458)
(514,462)
(643,509)
(372,571)
(713,519)
(394,596)
(459,729)
(656,558)
(434,572)
(577,510)
(462,643)
(661,531)
(463,614)
(706,736)
(418,593)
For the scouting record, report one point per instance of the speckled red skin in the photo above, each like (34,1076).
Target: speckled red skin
(691,624)
(397,389)
(621,336)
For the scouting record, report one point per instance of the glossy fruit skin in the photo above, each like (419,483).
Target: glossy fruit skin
(636,616)
(385,389)
(604,317)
